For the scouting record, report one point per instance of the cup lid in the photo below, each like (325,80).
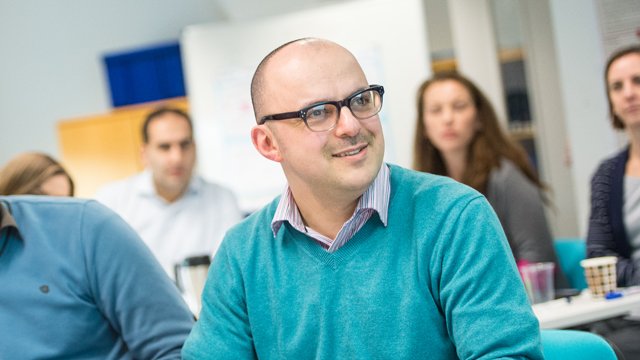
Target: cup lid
(538,266)
(196,260)
(599,261)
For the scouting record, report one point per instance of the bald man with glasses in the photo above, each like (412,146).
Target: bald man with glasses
(357,259)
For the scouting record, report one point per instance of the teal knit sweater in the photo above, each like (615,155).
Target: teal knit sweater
(438,282)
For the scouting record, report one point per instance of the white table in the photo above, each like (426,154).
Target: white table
(584,308)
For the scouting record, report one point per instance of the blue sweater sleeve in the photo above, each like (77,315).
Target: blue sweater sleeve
(130,288)
(483,299)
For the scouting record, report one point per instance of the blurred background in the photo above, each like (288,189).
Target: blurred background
(77,77)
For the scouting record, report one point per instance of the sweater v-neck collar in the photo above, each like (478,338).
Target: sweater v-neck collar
(359,240)
(334,260)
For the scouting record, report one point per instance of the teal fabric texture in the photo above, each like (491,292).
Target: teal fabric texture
(438,282)
(573,344)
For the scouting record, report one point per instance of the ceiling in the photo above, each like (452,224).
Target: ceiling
(251,9)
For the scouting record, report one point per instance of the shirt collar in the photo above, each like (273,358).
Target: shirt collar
(376,197)
(6,219)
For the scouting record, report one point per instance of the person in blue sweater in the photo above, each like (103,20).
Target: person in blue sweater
(357,259)
(78,283)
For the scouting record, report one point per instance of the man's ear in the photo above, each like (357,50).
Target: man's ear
(266,144)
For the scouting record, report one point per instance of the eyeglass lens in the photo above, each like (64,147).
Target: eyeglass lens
(363,105)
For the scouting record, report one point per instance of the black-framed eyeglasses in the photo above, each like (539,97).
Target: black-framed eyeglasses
(323,116)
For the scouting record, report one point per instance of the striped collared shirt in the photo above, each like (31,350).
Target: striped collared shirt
(374,199)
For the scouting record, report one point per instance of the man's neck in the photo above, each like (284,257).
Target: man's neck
(169,195)
(325,214)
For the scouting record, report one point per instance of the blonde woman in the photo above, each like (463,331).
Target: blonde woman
(36,174)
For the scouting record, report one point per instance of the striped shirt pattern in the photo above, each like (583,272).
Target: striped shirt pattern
(374,199)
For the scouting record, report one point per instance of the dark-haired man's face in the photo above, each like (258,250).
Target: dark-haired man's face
(170,154)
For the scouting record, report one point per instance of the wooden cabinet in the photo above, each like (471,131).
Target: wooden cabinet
(102,148)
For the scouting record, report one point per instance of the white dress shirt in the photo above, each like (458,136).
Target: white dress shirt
(192,225)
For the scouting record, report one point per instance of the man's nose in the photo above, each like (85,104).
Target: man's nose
(347,124)
(176,153)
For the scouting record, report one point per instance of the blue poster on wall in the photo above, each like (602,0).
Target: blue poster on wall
(146,74)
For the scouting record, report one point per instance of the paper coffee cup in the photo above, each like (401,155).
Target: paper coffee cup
(600,273)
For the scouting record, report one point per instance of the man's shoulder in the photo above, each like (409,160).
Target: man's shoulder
(255,227)
(44,202)
(210,187)
(53,209)
(120,188)
(126,182)
(428,195)
(419,184)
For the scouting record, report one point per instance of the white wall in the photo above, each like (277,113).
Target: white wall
(219,60)
(545,97)
(50,58)
(476,49)
(508,27)
(439,29)
(581,62)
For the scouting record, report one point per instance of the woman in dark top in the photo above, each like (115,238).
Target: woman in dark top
(614,223)
(612,230)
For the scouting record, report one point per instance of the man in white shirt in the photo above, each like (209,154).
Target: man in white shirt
(177,213)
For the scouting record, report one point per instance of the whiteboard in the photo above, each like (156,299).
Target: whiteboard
(388,37)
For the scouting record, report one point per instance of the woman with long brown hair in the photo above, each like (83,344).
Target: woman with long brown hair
(458,135)
(35,173)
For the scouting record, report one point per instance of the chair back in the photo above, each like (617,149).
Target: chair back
(570,251)
(573,344)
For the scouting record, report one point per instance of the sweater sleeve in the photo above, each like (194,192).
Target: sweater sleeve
(223,327)
(483,299)
(130,288)
(600,235)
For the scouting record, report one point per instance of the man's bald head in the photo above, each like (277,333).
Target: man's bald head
(258,81)
(260,77)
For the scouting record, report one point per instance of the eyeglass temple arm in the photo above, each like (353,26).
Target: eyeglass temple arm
(283,116)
